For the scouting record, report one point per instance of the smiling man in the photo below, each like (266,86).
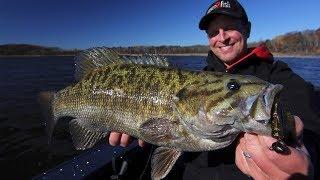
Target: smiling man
(228,28)
(228,38)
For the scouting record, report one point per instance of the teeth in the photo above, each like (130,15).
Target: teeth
(225,47)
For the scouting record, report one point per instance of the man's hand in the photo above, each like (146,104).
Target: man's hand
(124,140)
(255,158)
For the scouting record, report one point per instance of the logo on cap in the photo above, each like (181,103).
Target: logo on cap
(219,4)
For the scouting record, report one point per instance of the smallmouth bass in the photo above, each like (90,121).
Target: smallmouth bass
(177,110)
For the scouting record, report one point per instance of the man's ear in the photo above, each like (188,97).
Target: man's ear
(248,29)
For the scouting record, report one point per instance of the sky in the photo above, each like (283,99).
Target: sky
(83,24)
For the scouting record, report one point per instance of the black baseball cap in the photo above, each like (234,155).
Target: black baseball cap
(230,8)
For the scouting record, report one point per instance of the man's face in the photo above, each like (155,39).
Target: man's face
(227,38)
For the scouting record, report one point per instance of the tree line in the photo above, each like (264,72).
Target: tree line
(293,43)
(27,49)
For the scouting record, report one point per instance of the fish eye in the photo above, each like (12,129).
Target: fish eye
(233,85)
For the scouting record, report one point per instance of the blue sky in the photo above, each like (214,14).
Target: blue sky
(86,23)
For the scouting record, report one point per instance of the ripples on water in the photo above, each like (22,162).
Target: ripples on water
(23,149)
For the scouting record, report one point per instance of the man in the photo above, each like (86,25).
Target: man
(228,29)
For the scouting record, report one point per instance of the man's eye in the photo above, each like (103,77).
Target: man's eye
(231,27)
(213,33)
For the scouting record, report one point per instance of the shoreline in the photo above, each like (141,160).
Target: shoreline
(276,55)
(294,55)
(186,54)
(34,55)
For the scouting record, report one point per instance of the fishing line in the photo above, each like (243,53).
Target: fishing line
(147,164)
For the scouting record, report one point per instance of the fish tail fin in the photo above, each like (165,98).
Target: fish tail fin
(45,100)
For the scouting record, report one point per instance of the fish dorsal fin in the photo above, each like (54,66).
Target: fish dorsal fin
(162,162)
(93,58)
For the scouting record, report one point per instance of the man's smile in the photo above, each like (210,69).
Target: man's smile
(226,48)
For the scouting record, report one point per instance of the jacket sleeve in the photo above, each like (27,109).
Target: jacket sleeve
(301,99)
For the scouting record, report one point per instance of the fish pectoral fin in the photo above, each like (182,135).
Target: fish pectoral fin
(159,130)
(162,161)
(85,134)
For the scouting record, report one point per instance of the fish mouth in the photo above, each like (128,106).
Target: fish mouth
(270,93)
(257,111)
(226,137)
(268,98)
(226,134)
(259,106)
(217,133)
(224,130)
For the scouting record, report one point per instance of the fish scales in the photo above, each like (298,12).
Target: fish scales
(135,93)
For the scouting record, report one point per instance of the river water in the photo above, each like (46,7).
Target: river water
(23,149)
